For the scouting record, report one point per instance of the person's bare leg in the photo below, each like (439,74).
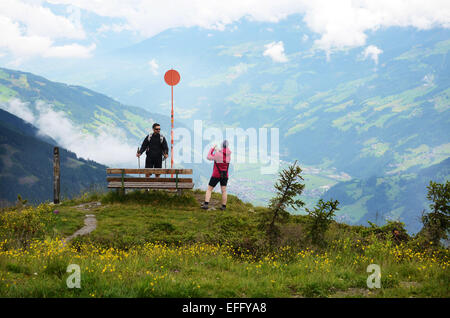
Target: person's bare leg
(208,193)
(224,195)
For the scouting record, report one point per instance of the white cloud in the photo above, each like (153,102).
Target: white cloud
(37,20)
(275,51)
(153,66)
(71,50)
(340,23)
(152,17)
(28,29)
(109,146)
(113,28)
(344,24)
(19,109)
(372,52)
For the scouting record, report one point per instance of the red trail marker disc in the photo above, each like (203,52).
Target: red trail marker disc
(172,77)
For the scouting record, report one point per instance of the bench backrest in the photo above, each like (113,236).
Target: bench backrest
(123,180)
(147,170)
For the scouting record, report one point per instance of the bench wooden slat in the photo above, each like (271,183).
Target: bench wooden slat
(137,179)
(148,170)
(156,185)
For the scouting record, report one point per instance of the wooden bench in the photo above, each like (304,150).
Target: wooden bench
(120,179)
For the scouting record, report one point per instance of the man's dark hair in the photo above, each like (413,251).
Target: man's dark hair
(225,144)
(155,125)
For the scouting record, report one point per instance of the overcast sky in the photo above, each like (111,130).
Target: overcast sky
(70,29)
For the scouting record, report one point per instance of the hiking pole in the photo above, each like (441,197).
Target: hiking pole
(139,163)
(165,164)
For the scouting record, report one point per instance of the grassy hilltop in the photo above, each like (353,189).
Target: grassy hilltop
(155,244)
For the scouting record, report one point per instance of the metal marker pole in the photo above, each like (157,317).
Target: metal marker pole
(171,137)
(171,77)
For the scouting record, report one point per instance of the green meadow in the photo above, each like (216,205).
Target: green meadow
(157,244)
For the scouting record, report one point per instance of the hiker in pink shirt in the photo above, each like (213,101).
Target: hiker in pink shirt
(221,160)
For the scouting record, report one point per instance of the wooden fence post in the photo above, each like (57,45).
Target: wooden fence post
(56,174)
(122,192)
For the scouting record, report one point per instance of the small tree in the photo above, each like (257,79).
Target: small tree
(320,218)
(288,187)
(436,223)
(21,203)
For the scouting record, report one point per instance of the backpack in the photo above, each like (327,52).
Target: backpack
(222,173)
(161,138)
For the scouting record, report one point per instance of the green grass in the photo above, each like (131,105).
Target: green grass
(416,54)
(157,244)
(356,210)
(6,93)
(423,156)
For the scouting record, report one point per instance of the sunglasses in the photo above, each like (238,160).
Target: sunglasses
(157,128)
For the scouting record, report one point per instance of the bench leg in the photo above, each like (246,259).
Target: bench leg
(178,192)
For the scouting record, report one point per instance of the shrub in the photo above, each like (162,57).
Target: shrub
(288,187)
(392,230)
(320,219)
(21,224)
(436,223)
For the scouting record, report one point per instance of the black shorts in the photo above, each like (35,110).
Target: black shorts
(153,162)
(213,181)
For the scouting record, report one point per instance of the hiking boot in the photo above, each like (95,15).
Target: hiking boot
(223,208)
(204,206)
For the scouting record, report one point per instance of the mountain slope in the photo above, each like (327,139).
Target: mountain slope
(26,165)
(87,109)
(364,115)
(72,115)
(18,125)
(395,197)
(360,113)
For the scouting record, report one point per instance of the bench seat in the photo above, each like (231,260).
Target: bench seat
(121,179)
(150,185)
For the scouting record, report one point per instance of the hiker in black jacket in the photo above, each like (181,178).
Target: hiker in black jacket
(155,147)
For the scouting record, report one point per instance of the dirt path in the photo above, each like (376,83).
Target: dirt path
(88,206)
(90,222)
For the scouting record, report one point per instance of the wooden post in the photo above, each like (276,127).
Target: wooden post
(122,192)
(56,174)
(176,185)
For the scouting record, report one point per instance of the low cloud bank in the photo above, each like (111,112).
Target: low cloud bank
(108,146)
